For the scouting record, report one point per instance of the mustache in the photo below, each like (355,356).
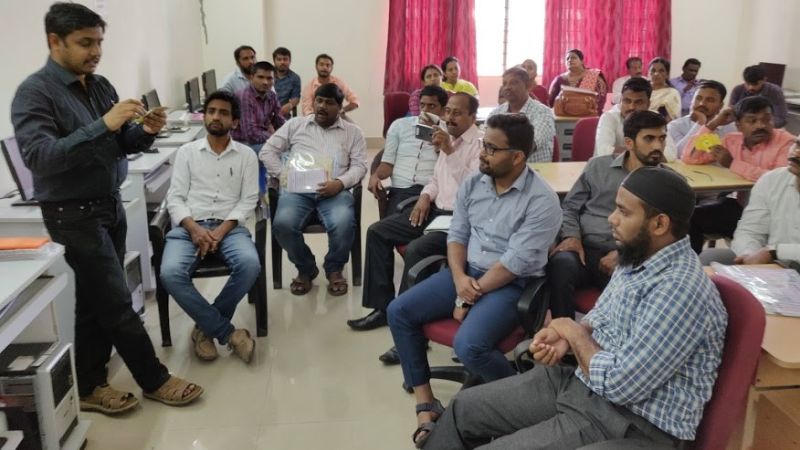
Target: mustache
(760,131)
(795,160)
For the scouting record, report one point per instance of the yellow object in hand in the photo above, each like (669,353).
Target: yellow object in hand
(705,142)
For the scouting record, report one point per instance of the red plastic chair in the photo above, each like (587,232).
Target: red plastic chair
(395,106)
(556,150)
(541,94)
(583,139)
(586,298)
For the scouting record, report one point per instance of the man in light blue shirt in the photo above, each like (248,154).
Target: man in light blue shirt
(708,101)
(245,57)
(648,352)
(504,221)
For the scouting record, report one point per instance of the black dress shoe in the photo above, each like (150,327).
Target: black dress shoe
(375,319)
(390,357)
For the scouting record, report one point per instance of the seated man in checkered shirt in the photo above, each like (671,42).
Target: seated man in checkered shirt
(648,352)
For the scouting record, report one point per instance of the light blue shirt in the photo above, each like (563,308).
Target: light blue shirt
(683,129)
(412,159)
(516,227)
(544,128)
(686,97)
(235,82)
(661,327)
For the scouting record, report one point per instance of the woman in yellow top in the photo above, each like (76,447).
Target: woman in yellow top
(451,82)
(665,99)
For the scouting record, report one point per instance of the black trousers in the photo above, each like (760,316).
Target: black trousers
(382,237)
(565,273)
(93,234)
(395,196)
(720,217)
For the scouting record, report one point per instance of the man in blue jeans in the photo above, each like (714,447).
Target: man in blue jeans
(334,150)
(214,189)
(504,221)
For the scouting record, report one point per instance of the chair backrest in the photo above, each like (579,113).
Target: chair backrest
(743,337)
(541,94)
(395,106)
(583,139)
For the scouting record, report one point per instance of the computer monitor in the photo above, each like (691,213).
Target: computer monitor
(21,175)
(774,72)
(209,82)
(150,99)
(192,90)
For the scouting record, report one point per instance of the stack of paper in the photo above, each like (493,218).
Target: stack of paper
(25,247)
(778,290)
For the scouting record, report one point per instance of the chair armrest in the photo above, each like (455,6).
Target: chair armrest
(533,304)
(160,224)
(402,205)
(424,265)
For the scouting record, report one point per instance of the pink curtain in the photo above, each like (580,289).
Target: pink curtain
(423,32)
(607,31)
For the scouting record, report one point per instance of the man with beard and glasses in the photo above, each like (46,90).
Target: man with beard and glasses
(214,190)
(504,220)
(587,255)
(324,66)
(706,106)
(751,152)
(610,137)
(648,352)
(74,132)
(336,151)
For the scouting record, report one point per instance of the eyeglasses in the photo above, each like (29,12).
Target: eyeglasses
(490,149)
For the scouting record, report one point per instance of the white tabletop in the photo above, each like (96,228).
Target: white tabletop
(24,214)
(15,276)
(151,161)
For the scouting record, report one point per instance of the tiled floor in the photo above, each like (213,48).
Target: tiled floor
(313,383)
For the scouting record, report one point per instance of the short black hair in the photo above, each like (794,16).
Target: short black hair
(753,74)
(283,51)
(694,61)
(661,60)
(435,91)
(262,65)
(638,84)
(225,96)
(473,102)
(577,52)
(716,85)
(517,128)
(518,72)
(64,18)
(751,105)
(447,61)
(678,227)
(323,56)
(240,49)
(640,120)
(632,60)
(330,90)
(427,68)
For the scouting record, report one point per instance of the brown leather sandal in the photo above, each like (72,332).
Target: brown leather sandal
(302,284)
(337,284)
(174,392)
(108,400)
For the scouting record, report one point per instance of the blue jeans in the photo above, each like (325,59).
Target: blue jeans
(492,318)
(335,213)
(179,261)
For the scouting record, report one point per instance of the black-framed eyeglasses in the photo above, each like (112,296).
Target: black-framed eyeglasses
(490,149)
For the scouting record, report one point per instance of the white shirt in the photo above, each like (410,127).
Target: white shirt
(412,159)
(544,128)
(235,81)
(772,216)
(609,138)
(210,186)
(684,129)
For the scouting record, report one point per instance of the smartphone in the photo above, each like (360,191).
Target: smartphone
(424,132)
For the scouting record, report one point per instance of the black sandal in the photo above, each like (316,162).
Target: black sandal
(434,407)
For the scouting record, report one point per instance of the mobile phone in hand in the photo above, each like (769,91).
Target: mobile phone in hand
(424,132)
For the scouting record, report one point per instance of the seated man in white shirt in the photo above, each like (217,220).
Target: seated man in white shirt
(334,150)
(609,138)
(245,57)
(634,65)
(768,229)
(706,106)
(517,100)
(214,189)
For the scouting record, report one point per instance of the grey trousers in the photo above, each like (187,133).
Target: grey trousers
(544,408)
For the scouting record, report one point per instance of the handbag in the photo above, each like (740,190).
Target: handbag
(575,102)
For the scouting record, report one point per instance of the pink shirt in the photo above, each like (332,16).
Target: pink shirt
(307,100)
(450,170)
(747,163)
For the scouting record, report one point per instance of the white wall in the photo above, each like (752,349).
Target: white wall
(148,44)
(728,35)
(230,24)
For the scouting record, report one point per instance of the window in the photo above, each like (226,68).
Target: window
(521,22)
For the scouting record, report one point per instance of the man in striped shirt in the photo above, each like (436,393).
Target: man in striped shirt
(648,351)
(330,152)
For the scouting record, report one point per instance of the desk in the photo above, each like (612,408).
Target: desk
(778,372)
(706,178)
(565,127)
(177,139)
(31,323)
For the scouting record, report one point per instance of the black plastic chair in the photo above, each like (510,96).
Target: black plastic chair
(210,267)
(313,225)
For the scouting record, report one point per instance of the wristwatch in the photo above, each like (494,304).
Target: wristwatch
(461,303)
